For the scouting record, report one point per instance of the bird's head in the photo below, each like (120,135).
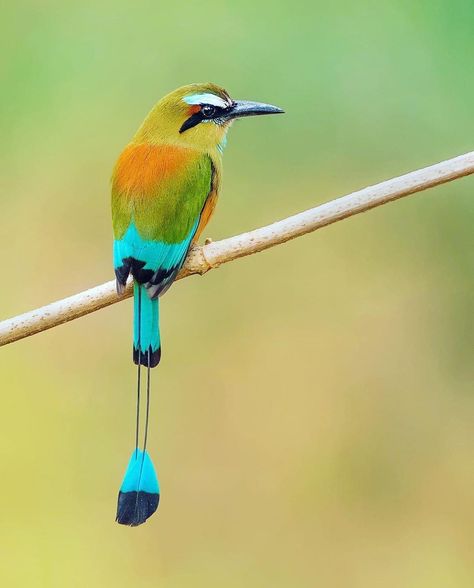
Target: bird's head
(198,116)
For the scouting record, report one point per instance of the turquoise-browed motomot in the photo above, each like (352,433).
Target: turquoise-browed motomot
(164,190)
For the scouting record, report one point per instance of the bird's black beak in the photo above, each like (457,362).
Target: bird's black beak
(243,108)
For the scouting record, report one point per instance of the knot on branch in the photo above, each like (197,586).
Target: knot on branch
(196,262)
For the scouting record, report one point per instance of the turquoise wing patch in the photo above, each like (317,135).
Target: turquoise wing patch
(152,263)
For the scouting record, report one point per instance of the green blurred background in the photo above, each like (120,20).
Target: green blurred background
(312,417)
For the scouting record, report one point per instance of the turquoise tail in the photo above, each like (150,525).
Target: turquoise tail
(139,494)
(146,328)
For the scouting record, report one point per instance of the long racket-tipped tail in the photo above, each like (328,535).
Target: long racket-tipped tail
(139,494)
(146,328)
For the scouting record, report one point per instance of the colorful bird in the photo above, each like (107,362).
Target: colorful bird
(164,190)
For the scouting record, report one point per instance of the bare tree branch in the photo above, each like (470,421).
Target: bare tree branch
(211,255)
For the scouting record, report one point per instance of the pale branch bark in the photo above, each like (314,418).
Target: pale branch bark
(211,255)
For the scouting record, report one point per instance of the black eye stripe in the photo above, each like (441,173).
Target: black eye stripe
(213,112)
(191,122)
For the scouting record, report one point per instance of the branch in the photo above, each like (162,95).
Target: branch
(211,255)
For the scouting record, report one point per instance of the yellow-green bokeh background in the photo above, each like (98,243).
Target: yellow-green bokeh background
(312,416)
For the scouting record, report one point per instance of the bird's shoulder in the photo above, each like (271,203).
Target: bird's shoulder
(145,169)
(163,188)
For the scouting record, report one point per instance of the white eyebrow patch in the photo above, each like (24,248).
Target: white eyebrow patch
(206,99)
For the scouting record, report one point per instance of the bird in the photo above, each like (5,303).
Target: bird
(165,186)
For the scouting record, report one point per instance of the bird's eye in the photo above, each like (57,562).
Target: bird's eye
(208,110)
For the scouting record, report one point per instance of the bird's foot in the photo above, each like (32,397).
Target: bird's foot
(208,263)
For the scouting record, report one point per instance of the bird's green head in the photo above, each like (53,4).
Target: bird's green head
(198,116)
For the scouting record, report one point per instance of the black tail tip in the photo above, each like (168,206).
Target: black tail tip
(142,357)
(134,508)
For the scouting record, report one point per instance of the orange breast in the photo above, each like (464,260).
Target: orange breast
(206,214)
(140,167)
(210,204)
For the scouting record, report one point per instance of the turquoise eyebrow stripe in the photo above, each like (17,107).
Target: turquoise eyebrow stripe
(205,98)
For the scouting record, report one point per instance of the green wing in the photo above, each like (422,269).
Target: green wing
(153,231)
